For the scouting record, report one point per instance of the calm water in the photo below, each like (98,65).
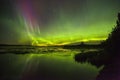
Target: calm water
(45,64)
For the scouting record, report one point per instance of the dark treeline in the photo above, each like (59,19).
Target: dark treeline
(84,45)
(109,56)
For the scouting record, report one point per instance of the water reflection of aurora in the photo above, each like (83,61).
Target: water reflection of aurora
(46,66)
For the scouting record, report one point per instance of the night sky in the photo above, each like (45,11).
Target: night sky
(56,22)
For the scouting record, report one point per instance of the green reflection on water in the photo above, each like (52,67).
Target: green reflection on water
(50,66)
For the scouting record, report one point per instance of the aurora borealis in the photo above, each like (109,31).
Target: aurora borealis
(56,22)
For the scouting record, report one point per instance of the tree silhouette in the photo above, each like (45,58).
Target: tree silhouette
(109,57)
(113,41)
(111,71)
(82,44)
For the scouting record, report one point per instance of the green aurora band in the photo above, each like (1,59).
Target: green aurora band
(58,35)
(68,24)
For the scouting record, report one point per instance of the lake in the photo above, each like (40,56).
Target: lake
(43,63)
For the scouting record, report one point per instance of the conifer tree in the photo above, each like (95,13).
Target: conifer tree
(113,41)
